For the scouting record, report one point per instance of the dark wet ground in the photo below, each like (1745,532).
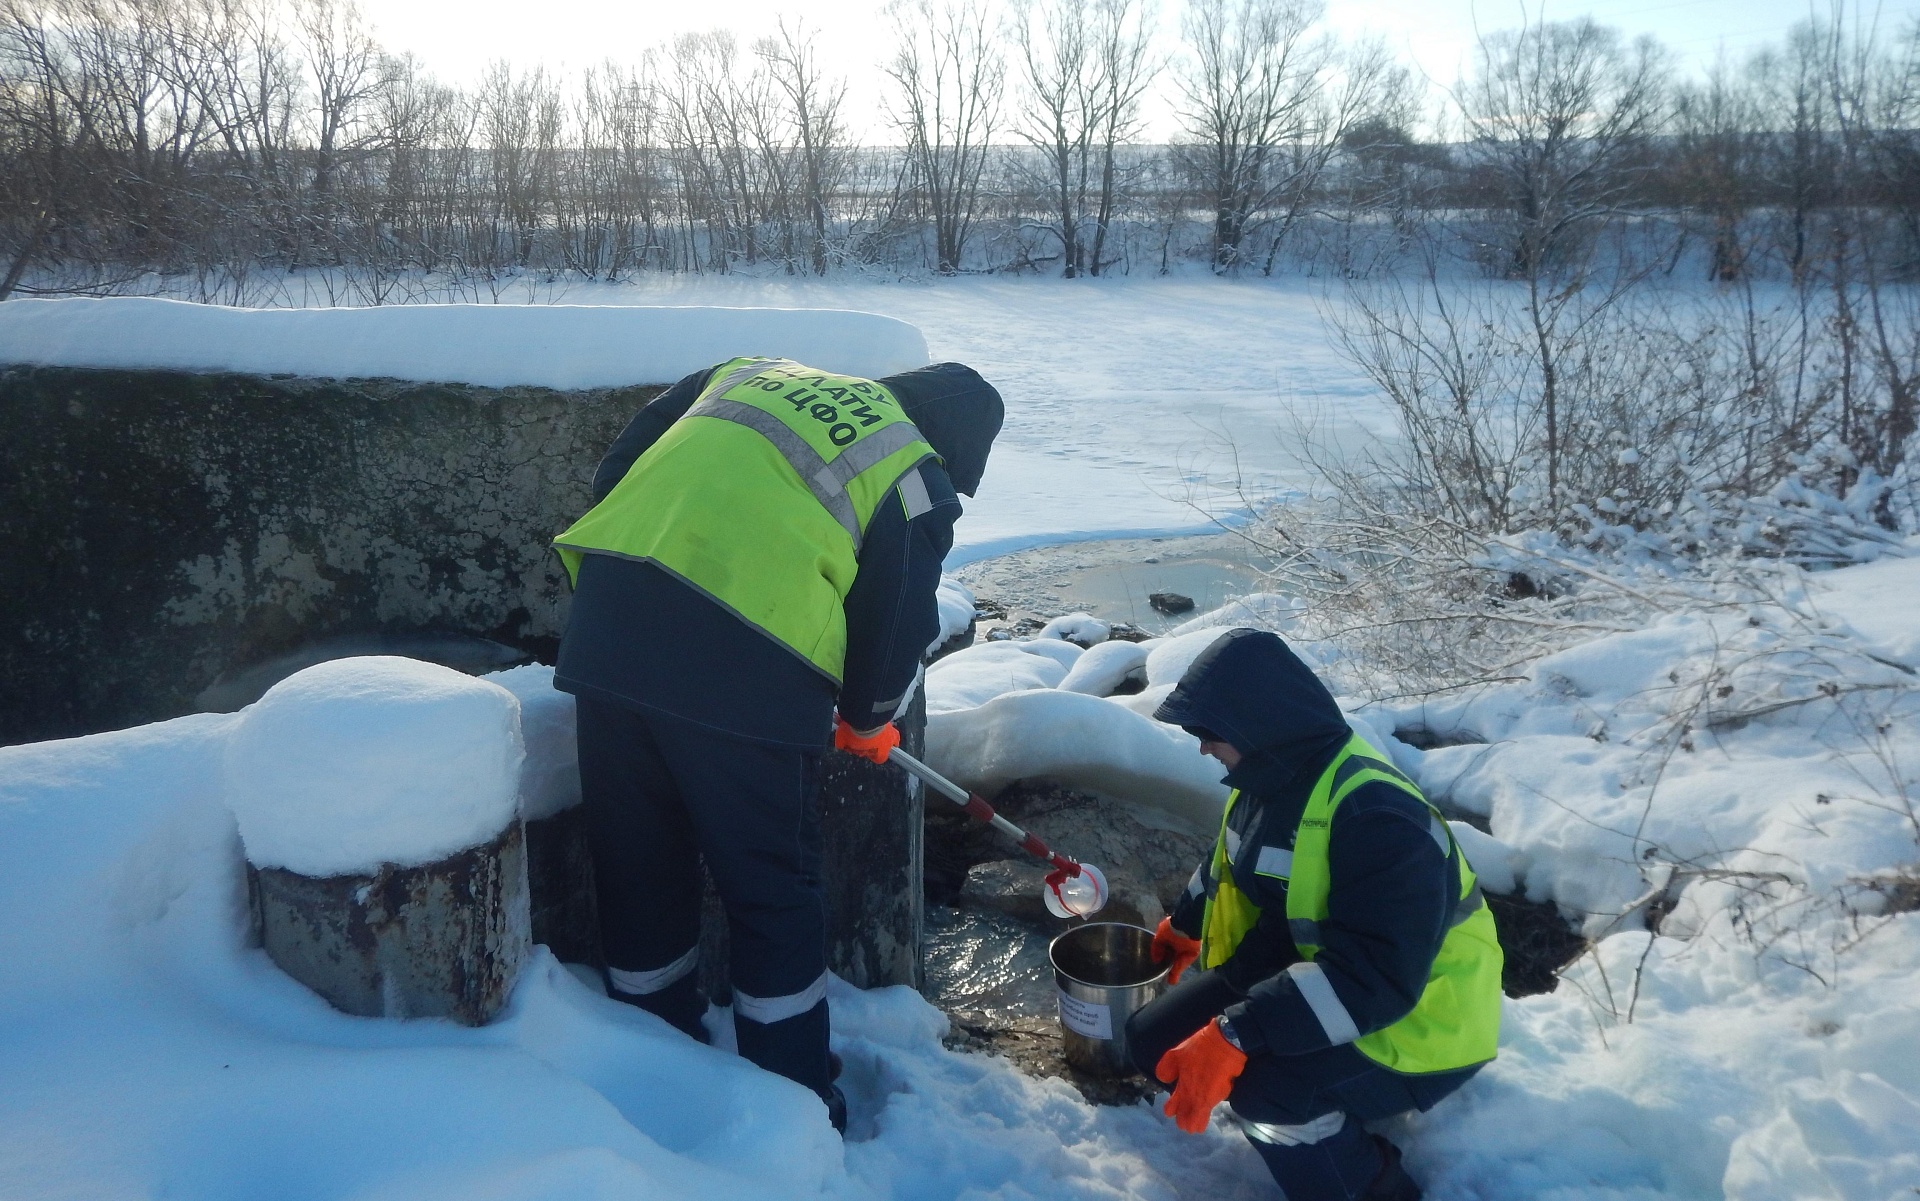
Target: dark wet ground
(990,974)
(989,971)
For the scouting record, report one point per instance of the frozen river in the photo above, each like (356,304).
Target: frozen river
(1133,406)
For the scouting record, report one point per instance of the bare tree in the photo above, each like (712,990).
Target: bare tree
(1877,326)
(1558,116)
(1717,159)
(250,89)
(1059,111)
(346,72)
(813,112)
(1250,79)
(949,78)
(1082,67)
(43,128)
(1125,67)
(1799,151)
(520,117)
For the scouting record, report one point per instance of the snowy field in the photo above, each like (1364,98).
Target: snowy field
(1765,1046)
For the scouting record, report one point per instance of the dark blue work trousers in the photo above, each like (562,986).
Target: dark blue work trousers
(661,795)
(1293,1090)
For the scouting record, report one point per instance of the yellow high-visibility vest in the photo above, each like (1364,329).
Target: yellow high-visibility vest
(759,497)
(1456,1022)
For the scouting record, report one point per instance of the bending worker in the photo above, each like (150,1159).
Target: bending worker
(1348,968)
(765,543)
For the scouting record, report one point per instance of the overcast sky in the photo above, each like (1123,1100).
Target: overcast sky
(457,38)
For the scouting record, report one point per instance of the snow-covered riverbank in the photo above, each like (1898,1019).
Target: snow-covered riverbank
(1743,860)
(1762,1046)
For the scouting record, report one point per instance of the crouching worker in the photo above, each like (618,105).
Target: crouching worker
(764,546)
(1347,966)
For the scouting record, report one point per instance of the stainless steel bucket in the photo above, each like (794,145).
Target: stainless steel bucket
(1105,971)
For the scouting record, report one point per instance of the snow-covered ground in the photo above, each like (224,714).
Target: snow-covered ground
(1765,1046)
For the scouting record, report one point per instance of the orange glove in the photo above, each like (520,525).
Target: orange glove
(1169,943)
(874,746)
(1202,1071)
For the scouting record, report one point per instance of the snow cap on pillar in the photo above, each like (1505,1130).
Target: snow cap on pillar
(376,759)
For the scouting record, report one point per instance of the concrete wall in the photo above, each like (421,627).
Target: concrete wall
(163,530)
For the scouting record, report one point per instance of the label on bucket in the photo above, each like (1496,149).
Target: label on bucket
(1086,1018)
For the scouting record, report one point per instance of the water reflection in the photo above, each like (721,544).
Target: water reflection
(987,963)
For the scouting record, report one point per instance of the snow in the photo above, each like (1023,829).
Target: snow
(1135,407)
(148,1050)
(1763,1045)
(995,716)
(1260,611)
(1082,628)
(971,677)
(954,601)
(1085,742)
(550,773)
(1105,667)
(374,759)
(551,346)
(1499,867)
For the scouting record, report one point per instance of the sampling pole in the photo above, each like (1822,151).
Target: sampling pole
(1074,889)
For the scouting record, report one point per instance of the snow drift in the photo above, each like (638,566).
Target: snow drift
(1046,708)
(1082,741)
(362,761)
(147,1050)
(550,346)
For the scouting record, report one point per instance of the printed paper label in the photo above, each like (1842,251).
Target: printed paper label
(1086,1018)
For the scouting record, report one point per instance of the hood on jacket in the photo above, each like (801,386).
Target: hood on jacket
(956,411)
(1254,693)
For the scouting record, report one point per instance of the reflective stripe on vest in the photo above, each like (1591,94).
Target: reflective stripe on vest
(1456,1022)
(760,496)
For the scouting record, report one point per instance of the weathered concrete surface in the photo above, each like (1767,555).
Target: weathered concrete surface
(444,940)
(560,896)
(875,861)
(871,864)
(166,529)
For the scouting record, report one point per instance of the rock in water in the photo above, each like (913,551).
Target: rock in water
(1170,602)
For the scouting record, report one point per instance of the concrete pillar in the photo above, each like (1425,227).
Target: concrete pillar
(565,918)
(445,939)
(377,800)
(872,865)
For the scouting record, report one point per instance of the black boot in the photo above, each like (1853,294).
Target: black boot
(1393,1183)
(681,1003)
(836,1108)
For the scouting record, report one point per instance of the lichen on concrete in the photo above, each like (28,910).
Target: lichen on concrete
(165,528)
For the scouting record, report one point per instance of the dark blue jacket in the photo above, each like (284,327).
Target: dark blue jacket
(1393,886)
(638,637)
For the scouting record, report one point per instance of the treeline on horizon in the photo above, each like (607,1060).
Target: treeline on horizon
(211,142)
